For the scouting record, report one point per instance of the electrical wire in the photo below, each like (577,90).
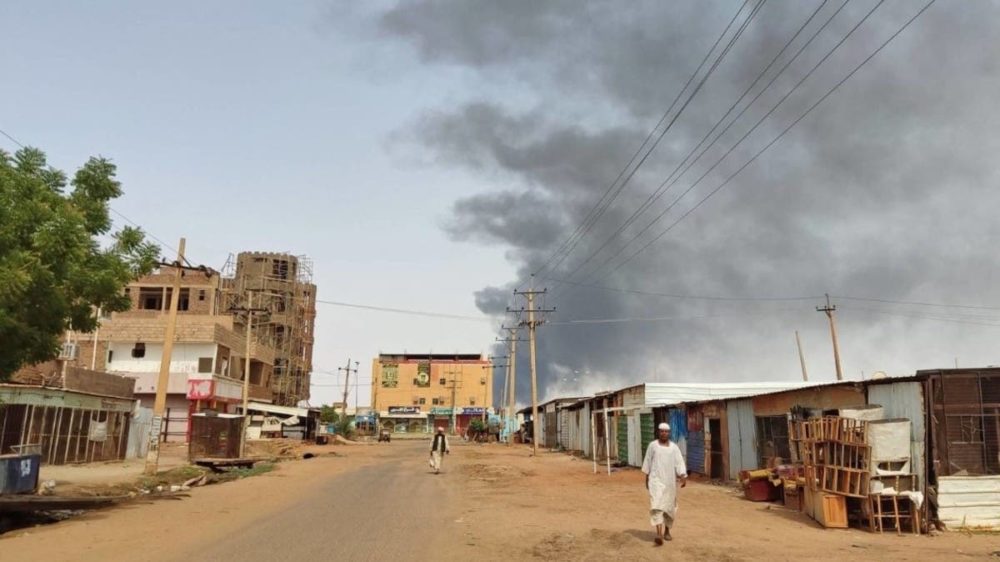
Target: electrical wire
(659,318)
(112,209)
(778,137)
(674,177)
(406,311)
(689,296)
(715,65)
(12,139)
(600,208)
(916,303)
(923,316)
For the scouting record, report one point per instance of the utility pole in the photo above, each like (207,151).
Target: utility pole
(97,332)
(489,381)
(802,358)
(511,419)
(454,409)
(249,310)
(347,381)
(829,309)
(160,404)
(532,324)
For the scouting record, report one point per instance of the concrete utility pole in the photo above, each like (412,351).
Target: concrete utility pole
(532,324)
(454,409)
(802,358)
(160,403)
(347,380)
(829,310)
(489,381)
(510,420)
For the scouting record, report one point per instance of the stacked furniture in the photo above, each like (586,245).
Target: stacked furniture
(859,460)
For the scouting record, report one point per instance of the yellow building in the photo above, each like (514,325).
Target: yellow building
(413,393)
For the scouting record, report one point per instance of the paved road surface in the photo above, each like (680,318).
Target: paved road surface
(386,511)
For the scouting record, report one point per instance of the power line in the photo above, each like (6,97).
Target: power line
(780,135)
(112,209)
(715,65)
(660,318)
(684,296)
(667,184)
(406,311)
(146,231)
(735,145)
(12,139)
(923,316)
(918,303)
(766,299)
(600,208)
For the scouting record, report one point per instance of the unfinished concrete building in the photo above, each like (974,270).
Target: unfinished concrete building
(281,284)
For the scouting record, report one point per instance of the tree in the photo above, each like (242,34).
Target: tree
(54,272)
(327,414)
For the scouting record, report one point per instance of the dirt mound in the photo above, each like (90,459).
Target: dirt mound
(493,472)
(275,448)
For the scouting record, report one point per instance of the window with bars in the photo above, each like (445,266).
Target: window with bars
(772,438)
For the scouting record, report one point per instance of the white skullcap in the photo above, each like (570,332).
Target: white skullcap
(664,426)
(440,429)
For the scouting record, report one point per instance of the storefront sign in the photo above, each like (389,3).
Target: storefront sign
(98,431)
(441,411)
(202,389)
(404,410)
(473,411)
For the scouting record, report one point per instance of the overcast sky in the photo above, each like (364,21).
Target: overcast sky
(429,155)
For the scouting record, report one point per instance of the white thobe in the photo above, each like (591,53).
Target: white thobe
(664,464)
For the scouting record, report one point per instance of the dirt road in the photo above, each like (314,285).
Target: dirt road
(379,502)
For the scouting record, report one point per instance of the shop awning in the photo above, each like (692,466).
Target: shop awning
(282,410)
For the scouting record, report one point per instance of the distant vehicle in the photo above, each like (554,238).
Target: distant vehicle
(384,435)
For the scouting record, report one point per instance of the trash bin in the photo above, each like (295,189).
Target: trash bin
(19,473)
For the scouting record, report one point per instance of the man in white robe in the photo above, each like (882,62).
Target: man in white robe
(439,448)
(664,467)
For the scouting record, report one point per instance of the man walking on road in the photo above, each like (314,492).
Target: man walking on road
(664,467)
(439,447)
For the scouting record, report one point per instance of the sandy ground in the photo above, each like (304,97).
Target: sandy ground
(554,507)
(378,502)
(71,479)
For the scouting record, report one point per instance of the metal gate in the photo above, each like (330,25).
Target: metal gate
(742,437)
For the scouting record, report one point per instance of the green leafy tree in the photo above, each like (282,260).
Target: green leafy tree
(327,414)
(344,426)
(54,269)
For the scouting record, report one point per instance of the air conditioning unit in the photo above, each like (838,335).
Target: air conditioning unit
(69,351)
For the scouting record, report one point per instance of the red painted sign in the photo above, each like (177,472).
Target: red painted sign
(201,389)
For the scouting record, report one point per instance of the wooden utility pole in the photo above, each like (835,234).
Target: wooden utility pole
(249,310)
(802,358)
(829,310)
(532,324)
(246,377)
(160,403)
(347,380)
